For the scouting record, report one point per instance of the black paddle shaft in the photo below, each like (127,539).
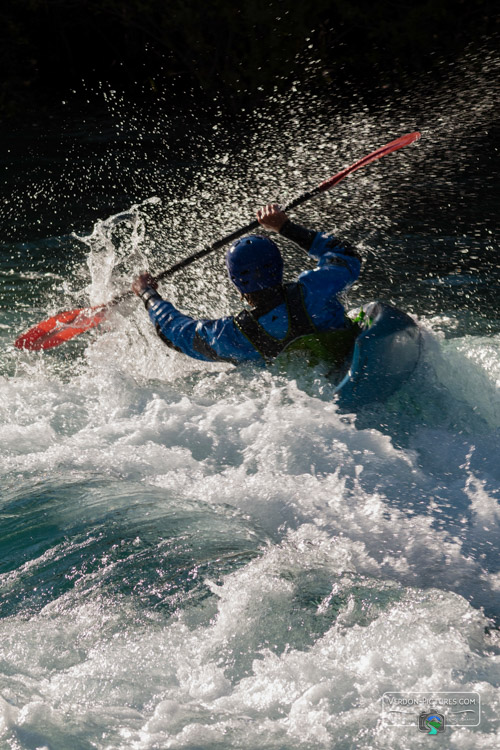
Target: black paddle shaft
(229,238)
(322,187)
(219,243)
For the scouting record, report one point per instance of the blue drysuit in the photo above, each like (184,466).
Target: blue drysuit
(222,340)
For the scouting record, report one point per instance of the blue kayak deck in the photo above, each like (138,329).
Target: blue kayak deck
(385,354)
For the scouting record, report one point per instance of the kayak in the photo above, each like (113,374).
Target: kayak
(385,354)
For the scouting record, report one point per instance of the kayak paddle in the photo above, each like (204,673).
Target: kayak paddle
(66,325)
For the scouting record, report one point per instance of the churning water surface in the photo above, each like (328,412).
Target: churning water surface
(199,556)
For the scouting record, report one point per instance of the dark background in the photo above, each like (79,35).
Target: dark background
(105,102)
(54,50)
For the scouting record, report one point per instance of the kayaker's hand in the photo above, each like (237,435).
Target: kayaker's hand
(142,282)
(271,217)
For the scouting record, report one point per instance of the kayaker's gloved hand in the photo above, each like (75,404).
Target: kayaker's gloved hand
(272,217)
(145,287)
(143,282)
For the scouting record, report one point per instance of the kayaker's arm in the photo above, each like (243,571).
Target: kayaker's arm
(274,219)
(302,237)
(338,262)
(208,340)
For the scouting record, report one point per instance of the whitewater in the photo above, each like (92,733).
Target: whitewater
(200,556)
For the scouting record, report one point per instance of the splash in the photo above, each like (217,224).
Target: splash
(194,555)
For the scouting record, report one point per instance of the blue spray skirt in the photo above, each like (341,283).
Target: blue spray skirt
(385,354)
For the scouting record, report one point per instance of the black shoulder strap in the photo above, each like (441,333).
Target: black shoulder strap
(299,324)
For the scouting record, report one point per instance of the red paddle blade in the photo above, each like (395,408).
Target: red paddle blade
(60,328)
(405,140)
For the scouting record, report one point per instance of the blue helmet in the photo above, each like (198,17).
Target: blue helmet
(254,263)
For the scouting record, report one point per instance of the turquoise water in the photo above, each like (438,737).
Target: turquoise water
(198,556)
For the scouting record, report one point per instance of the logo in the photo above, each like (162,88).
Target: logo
(431,723)
(431,711)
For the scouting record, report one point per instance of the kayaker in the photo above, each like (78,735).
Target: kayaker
(303,315)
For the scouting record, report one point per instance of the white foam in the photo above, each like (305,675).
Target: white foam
(215,556)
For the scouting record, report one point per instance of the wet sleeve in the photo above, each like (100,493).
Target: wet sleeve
(208,340)
(338,267)
(316,243)
(326,245)
(302,237)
